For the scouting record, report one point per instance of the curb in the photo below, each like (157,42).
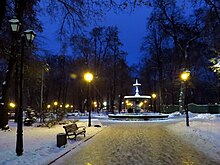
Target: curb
(84,140)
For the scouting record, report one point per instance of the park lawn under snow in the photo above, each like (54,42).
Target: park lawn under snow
(40,143)
(203,133)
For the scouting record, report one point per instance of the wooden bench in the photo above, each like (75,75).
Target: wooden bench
(73,130)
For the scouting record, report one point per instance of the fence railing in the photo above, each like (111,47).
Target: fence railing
(194,108)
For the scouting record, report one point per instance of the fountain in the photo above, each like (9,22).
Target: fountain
(136,107)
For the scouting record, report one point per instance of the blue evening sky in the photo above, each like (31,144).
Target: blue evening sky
(131,27)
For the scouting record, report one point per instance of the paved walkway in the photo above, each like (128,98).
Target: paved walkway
(135,144)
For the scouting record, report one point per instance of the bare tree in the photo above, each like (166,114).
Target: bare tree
(20,9)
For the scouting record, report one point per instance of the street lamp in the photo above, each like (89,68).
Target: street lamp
(184,76)
(12,105)
(154,95)
(55,103)
(88,77)
(154,100)
(45,68)
(27,36)
(67,106)
(15,24)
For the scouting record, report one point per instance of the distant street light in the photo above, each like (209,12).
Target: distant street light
(27,37)
(154,95)
(88,77)
(67,106)
(55,103)
(154,101)
(12,105)
(185,75)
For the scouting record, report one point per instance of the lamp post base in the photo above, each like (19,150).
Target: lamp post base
(89,123)
(187,118)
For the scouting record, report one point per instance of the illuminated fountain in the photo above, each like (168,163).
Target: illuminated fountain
(135,103)
(138,107)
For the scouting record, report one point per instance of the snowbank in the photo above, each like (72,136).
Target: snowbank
(203,133)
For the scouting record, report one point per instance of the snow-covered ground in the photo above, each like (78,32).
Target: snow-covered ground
(40,143)
(203,133)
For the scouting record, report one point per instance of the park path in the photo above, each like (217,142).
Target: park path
(136,144)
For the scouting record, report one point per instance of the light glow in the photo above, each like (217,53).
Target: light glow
(105,103)
(140,104)
(12,105)
(88,77)
(154,95)
(55,103)
(95,104)
(185,75)
(67,106)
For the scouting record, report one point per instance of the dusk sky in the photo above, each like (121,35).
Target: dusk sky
(131,27)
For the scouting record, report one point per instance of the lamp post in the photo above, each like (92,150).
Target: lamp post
(185,75)
(88,77)
(154,100)
(55,103)
(27,37)
(45,68)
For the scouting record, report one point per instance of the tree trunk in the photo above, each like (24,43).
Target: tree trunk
(160,104)
(2,12)
(5,92)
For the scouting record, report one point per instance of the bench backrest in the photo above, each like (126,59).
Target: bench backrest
(70,128)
